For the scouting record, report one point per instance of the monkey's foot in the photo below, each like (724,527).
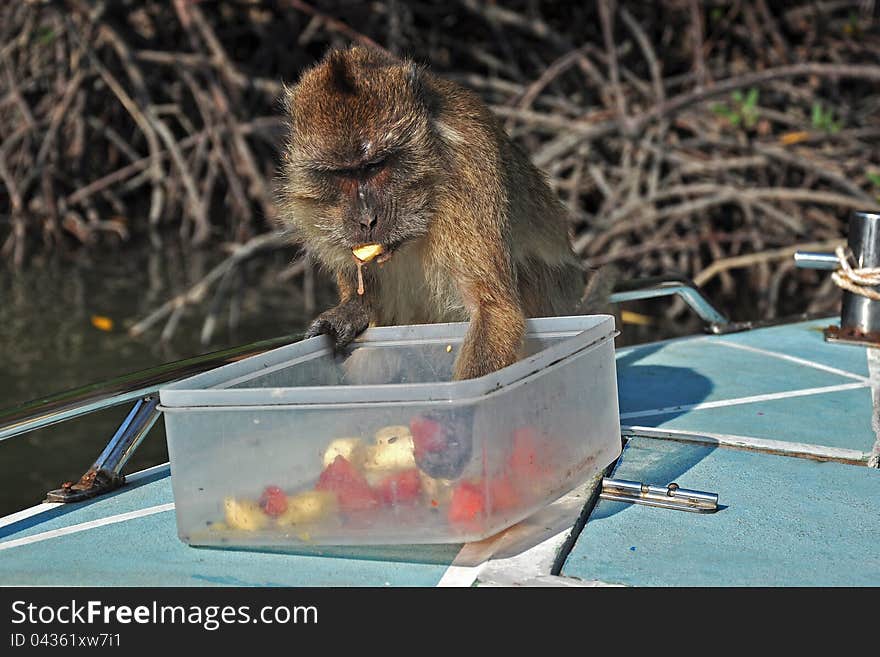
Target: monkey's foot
(443,442)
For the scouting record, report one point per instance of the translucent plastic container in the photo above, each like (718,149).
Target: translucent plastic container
(301,446)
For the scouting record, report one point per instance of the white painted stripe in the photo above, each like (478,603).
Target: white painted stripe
(46,506)
(134,477)
(747,442)
(792,359)
(460,576)
(28,513)
(525,550)
(721,403)
(85,526)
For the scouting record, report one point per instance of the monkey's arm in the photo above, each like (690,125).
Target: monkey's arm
(493,339)
(347,319)
(484,277)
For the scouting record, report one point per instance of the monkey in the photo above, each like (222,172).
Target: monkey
(382,151)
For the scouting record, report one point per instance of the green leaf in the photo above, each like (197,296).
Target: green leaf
(817,115)
(751,99)
(874,177)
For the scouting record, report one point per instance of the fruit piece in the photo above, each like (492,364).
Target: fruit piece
(366,252)
(350,486)
(442,442)
(308,506)
(427,435)
(502,494)
(400,487)
(350,448)
(244,514)
(435,492)
(389,435)
(467,505)
(273,501)
(396,455)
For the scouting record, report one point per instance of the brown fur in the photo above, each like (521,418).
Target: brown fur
(475,230)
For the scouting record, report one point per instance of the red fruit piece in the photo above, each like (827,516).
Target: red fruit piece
(401,487)
(428,436)
(502,494)
(273,501)
(351,487)
(467,505)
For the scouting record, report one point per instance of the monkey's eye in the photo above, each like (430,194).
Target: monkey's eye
(366,170)
(374,167)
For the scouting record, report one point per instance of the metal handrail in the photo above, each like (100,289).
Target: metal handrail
(64,406)
(684,288)
(142,387)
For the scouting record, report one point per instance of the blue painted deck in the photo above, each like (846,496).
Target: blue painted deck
(786,520)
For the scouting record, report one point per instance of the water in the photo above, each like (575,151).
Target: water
(54,337)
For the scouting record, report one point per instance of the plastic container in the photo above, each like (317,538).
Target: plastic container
(380,446)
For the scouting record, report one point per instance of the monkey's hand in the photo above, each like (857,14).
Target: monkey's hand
(342,323)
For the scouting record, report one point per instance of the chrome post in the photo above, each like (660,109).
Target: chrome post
(859,315)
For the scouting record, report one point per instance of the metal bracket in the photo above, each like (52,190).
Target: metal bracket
(667,497)
(106,473)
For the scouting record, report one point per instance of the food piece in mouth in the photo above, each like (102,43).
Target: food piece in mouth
(364,254)
(367,252)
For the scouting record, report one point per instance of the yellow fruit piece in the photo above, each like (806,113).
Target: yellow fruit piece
(352,449)
(367,252)
(308,506)
(244,514)
(394,453)
(388,435)
(218,527)
(436,492)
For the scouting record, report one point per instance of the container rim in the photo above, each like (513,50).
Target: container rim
(582,332)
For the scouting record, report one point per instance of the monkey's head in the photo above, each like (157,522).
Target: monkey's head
(362,157)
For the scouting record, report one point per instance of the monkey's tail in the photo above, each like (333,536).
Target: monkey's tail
(597,296)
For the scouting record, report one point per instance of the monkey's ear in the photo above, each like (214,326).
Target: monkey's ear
(341,77)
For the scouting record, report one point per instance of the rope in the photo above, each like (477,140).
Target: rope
(858,281)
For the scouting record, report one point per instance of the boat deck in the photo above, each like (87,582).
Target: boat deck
(776,421)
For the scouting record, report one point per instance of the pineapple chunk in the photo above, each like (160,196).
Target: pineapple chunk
(393,450)
(388,435)
(367,252)
(308,506)
(244,514)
